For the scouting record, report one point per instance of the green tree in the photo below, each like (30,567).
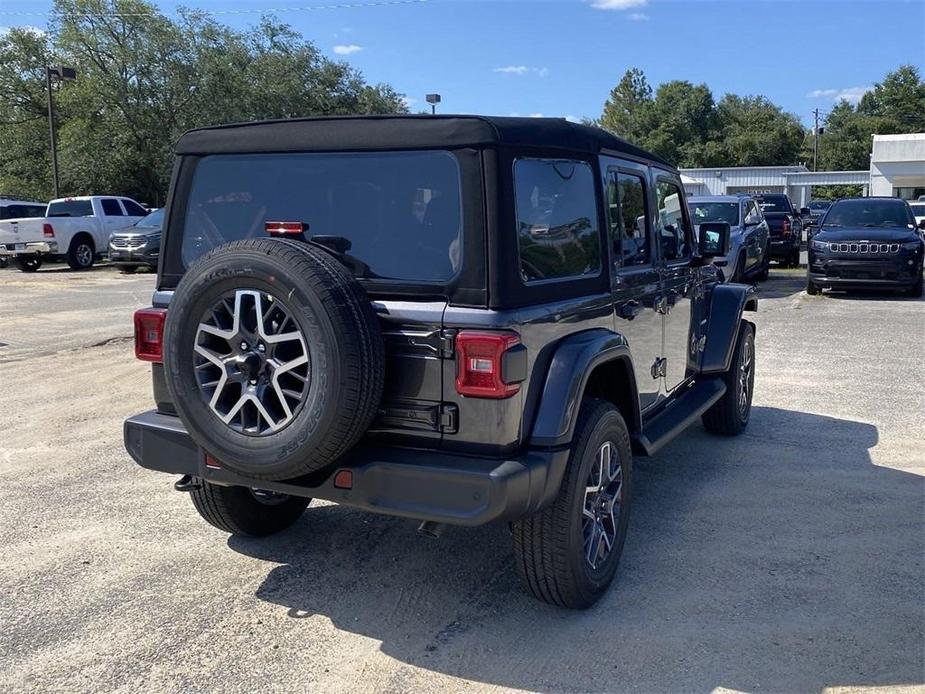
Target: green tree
(145,78)
(755,132)
(897,103)
(627,111)
(684,125)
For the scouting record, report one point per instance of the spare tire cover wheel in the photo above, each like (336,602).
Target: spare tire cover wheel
(273,357)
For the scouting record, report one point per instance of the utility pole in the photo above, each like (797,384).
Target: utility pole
(51,131)
(815,138)
(62,73)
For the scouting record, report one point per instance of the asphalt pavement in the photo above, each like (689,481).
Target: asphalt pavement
(791,558)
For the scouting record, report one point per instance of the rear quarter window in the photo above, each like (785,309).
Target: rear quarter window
(557,223)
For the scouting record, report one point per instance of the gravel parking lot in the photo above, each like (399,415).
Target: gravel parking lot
(791,558)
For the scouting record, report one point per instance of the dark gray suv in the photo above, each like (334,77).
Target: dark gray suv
(748,256)
(457,320)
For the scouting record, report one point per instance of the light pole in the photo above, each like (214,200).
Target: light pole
(62,73)
(433,100)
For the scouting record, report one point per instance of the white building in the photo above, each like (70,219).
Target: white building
(897,168)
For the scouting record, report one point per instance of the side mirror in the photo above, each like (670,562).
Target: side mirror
(921,225)
(714,240)
(804,212)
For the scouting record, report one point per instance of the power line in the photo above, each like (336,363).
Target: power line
(262,10)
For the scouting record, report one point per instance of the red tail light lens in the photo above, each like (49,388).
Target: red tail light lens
(48,231)
(480,359)
(284,228)
(786,228)
(149,334)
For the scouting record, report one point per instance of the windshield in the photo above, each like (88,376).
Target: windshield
(774,203)
(70,208)
(155,220)
(868,212)
(399,214)
(714,212)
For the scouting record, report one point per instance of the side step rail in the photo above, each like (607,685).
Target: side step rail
(677,416)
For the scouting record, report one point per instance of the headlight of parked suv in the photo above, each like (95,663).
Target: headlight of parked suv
(820,245)
(911,246)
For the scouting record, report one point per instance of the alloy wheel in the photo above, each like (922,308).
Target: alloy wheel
(84,255)
(745,371)
(252,362)
(602,503)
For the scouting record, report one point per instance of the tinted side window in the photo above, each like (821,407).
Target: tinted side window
(752,214)
(673,234)
(626,205)
(111,208)
(133,209)
(36,211)
(557,228)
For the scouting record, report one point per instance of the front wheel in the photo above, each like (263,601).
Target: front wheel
(812,288)
(29,263)
(762,275)
(567,554)
(247,512)
(730,414)
(795,258)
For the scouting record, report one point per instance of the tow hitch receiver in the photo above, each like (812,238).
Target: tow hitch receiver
(187,483)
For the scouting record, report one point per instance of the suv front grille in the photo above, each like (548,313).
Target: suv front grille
(126,242)
(864,247)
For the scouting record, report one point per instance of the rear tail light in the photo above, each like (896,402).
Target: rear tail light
(48,231)
(149,334)
(482,357)
(786,228)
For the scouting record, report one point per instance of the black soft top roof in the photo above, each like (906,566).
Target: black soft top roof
(371,133)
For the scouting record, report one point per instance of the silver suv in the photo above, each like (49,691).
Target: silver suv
(748,233)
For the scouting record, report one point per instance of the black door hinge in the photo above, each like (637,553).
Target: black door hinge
(449,418)
(441,342)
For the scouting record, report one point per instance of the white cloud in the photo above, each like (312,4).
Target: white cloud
(348,49)
(536,115)
(572,119)
(617,4)
(852,94)
(521,70)
(410,101)
(638,17)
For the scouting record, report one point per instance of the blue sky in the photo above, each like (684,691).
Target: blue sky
(561,58)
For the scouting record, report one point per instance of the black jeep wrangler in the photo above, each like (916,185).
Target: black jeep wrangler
(453,319)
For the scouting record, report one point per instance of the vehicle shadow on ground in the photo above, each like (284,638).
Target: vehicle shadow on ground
(870,295)
(783,559)
(782,283)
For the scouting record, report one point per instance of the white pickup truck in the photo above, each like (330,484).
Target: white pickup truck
(73,229)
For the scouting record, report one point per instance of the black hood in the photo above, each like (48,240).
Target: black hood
(864,234)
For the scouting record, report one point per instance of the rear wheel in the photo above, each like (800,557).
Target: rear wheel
(567,554)
(247,512)
(730,414)
(80,255)
(29,264)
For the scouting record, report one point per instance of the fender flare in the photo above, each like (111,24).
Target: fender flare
(566,377)
(727,303)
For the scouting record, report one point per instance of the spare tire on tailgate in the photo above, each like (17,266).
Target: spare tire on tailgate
(273,356)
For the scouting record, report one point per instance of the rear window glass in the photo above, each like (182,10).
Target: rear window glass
(774,203)
(400,212)
(868,212)
(70,208)
(557,227)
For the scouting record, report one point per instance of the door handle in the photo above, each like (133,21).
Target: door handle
(630,309)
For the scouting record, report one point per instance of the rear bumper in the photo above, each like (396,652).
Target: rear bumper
(779,247)
(30,248)
(424,485)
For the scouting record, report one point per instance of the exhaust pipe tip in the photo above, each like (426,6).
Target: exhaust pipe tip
(431,529)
